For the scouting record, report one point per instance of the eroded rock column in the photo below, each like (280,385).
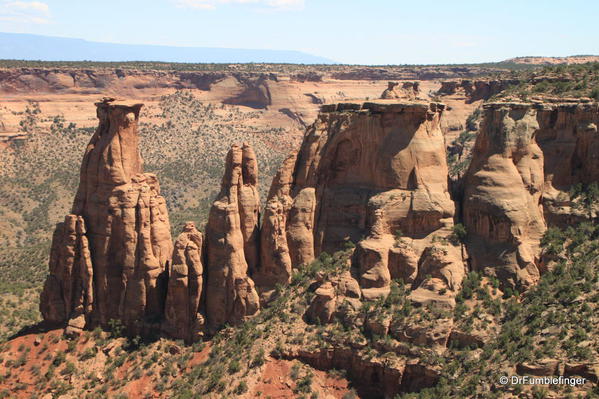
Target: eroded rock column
(230,293)
(120,215)
(183,314)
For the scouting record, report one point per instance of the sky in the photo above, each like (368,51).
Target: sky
(371,32)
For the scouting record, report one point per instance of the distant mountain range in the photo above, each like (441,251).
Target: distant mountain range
(20,46)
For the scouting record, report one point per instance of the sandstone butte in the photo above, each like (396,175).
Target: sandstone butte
(374,174)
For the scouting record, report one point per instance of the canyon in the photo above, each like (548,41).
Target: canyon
(368,176)
(359,250)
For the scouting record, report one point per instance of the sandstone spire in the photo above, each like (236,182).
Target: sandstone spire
(119,213)
(249,207)
(68,293)
(183,318)
(230,292)
(274,250)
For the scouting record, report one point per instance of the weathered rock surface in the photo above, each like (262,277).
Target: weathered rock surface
(476,90)
(408,90)
(544,367)
(68,293)
(255,91)
(503,188)
(375,377)
(249,207)
(331,295)
(183,315)
(526,159)
(569,140)
(374,174)
(118,235)
(274,249)
(230,293)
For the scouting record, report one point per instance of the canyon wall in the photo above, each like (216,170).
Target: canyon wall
(375,175)
(526,159)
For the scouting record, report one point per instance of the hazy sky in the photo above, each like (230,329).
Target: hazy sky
(348,31)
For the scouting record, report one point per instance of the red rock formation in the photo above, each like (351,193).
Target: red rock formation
(408,90)
(476,90)
(503,187)
(249,207)
(363,173)
(274,250)
(183,318)
(393,376)
(526,158)
(255,91)
(332,294)
(68,293)
(230,293)
(568,137)
(120,212)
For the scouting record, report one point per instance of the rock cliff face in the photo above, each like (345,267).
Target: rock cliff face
(118,235)
(68,293)
(525,160)
(570,143)
(503,187)
(255,93)
(374,174)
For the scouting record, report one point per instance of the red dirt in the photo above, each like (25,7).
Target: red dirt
(276,382)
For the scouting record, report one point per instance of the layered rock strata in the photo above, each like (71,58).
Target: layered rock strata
(118,234)
(525,160)
(372,174)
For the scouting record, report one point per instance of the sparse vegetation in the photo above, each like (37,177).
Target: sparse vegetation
(580,80)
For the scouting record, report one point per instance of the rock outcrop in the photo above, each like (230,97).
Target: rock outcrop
(118,234)
(274,250)
(476,90)
(230,293)
(335,296)
(408,91)
(68,293)
(113,258)
(255,91)
(183,315)
(525,160)
(569,140)
(385,378)
(374,174)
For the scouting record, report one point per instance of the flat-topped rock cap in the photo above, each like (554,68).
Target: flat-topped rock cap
(383,105)
(110,102)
